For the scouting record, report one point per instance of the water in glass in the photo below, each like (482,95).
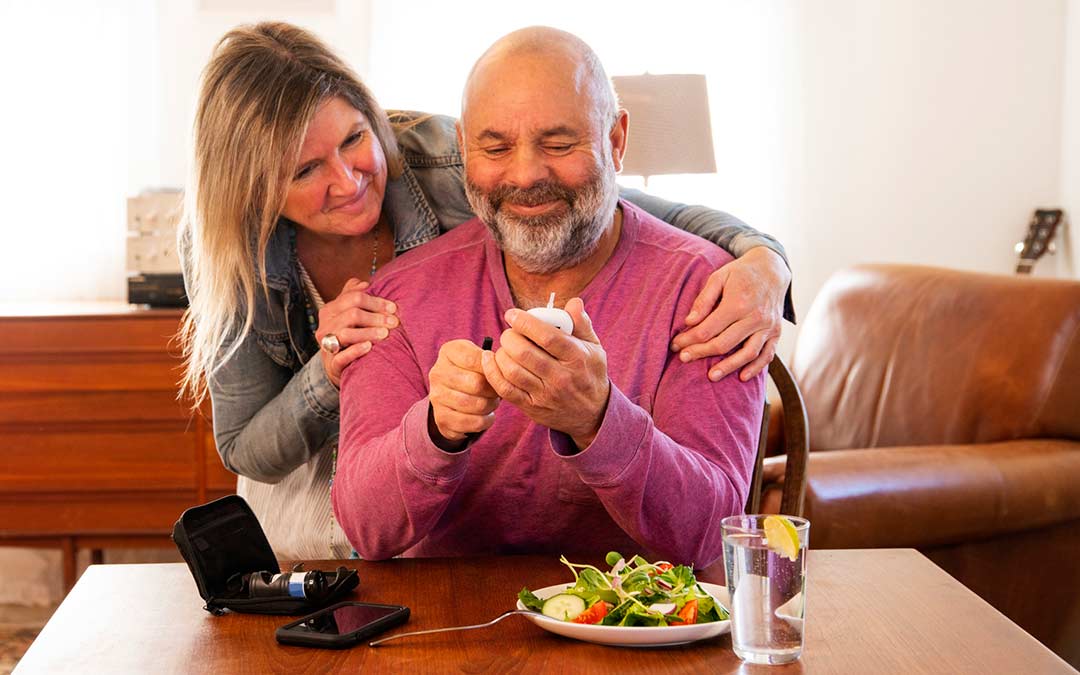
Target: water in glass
(767,591)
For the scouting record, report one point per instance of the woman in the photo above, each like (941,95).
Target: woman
(300,183)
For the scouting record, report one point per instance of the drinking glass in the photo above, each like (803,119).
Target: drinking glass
(767,591)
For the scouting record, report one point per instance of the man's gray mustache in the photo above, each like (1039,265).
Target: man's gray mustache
(531,196)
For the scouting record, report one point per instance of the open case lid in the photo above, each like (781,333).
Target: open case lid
(219,540)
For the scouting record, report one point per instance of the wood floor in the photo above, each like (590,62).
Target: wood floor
(19,625)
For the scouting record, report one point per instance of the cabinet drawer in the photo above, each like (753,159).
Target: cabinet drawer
(91,460)
(85,514)
(59,407)
(81,372)
(66,334)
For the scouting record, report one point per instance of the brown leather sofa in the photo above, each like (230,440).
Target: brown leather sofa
(944,413)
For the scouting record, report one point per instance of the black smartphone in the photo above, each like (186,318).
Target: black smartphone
(342,625)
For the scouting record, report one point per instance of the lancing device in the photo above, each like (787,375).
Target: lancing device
(554,316)
(486,346)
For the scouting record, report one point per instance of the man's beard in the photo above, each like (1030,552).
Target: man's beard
(543,243)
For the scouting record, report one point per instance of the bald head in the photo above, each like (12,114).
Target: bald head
(542,140)
(509,57)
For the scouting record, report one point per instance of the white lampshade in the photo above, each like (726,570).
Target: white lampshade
(669,124)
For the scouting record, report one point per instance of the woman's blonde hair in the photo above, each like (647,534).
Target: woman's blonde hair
(259,91)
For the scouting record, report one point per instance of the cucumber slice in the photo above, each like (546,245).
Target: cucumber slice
(563,607)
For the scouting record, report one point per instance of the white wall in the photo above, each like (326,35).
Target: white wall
(1069,240)
(70,127)
(932,130)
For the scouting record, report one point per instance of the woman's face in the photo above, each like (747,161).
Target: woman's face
(338,186)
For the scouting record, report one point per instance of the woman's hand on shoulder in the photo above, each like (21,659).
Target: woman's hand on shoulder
(358,320)
(741,305)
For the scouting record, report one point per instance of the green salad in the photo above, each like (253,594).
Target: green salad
(635,592)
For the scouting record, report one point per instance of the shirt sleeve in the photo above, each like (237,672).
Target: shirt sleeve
(722,229)
(268,420)
(669,478)
(392,483)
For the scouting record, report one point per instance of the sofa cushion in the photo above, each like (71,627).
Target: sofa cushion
(894,355)
(932,495)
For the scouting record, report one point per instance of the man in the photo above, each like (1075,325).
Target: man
(556,443)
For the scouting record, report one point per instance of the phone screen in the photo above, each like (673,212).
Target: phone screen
(344,620)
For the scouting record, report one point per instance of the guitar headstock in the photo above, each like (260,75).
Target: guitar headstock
(1041,229)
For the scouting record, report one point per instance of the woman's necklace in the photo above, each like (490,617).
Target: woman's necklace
(309,309)
(313,324)
(375,250)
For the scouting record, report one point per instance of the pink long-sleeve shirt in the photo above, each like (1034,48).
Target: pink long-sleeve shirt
(672,457)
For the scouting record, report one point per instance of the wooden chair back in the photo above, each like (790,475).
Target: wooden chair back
(796,444)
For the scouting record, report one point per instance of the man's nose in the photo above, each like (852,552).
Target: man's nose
(342,181)
(526,168)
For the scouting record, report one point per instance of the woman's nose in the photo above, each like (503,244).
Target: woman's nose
(342,181)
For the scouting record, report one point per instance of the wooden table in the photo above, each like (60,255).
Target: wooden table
(888,611)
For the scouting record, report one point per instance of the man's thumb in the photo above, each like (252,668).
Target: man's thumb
(583,329)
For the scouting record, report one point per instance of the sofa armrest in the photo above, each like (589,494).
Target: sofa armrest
(932,495)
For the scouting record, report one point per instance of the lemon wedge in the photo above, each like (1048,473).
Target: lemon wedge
(781,537)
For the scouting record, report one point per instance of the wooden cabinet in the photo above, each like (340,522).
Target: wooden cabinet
(96,451)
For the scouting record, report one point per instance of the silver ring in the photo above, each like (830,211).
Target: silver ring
(330,344)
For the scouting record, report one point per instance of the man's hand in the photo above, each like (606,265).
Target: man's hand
(751,291)
(462,401)
(557,380)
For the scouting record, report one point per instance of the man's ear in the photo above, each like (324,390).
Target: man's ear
(620,132)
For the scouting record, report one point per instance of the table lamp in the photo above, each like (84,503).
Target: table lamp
(669,125)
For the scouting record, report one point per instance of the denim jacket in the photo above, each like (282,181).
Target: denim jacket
(273,406)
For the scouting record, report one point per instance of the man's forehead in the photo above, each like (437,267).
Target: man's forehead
(532,126)
(537,100)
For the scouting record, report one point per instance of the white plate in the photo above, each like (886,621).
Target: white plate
(632,636)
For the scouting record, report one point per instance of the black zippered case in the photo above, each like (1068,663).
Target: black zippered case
(221,541)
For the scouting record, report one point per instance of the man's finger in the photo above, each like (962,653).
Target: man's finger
(463,354)
(545,336)
(453,425)
(707,298)
(527,354)
(517,375)
(463,402)
(583,328)
(502,387)
(467,381)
